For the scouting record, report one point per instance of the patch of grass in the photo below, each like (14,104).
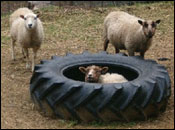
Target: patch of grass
(72,123)
(50,8)
(5,40)
(5,15)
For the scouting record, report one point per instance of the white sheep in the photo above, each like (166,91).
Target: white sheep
(112,78)
(128,32)
(27,30)
(96,74)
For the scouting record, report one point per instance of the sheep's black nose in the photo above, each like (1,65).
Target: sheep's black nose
(30,25)
(150,35)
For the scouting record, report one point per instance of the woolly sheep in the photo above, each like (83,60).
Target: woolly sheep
(128,32)
(96,74)
(27,30)
(112,78)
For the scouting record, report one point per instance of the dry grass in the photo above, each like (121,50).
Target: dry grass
(75,30)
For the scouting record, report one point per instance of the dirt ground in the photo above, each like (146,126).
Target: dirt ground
(83,32)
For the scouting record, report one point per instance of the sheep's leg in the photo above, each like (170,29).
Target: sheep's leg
(142,54)
(34,58)
(131,53)
(116,50)
(12,47)
(27,57)
(23,53)
(106,42)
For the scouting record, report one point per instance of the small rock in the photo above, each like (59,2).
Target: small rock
(12,76)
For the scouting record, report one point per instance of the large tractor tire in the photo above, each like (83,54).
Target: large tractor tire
(57,87)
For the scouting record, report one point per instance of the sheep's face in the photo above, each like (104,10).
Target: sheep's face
(149,27)
(92,73)
(30,20)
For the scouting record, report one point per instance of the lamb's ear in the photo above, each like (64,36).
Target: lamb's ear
(158,21)
(82,69)
(38,15)
(104,70)
(140,22)
(22,16)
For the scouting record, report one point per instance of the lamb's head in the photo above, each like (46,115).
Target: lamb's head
(30,20)
(92,73)
(149,27)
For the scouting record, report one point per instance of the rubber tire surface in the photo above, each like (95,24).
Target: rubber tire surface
(138,99)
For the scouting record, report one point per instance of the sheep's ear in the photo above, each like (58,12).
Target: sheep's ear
(82,69)
(140,22)
(104,70)
(158,21)
(22,16)
(38,15)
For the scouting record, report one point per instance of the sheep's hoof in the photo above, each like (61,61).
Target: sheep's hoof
(13,59)
(57,86)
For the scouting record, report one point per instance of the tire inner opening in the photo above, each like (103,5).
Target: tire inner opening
(74,73)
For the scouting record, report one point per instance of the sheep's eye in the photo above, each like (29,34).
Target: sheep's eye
(98,71)
(35,18)
(153,25)
(25,19)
